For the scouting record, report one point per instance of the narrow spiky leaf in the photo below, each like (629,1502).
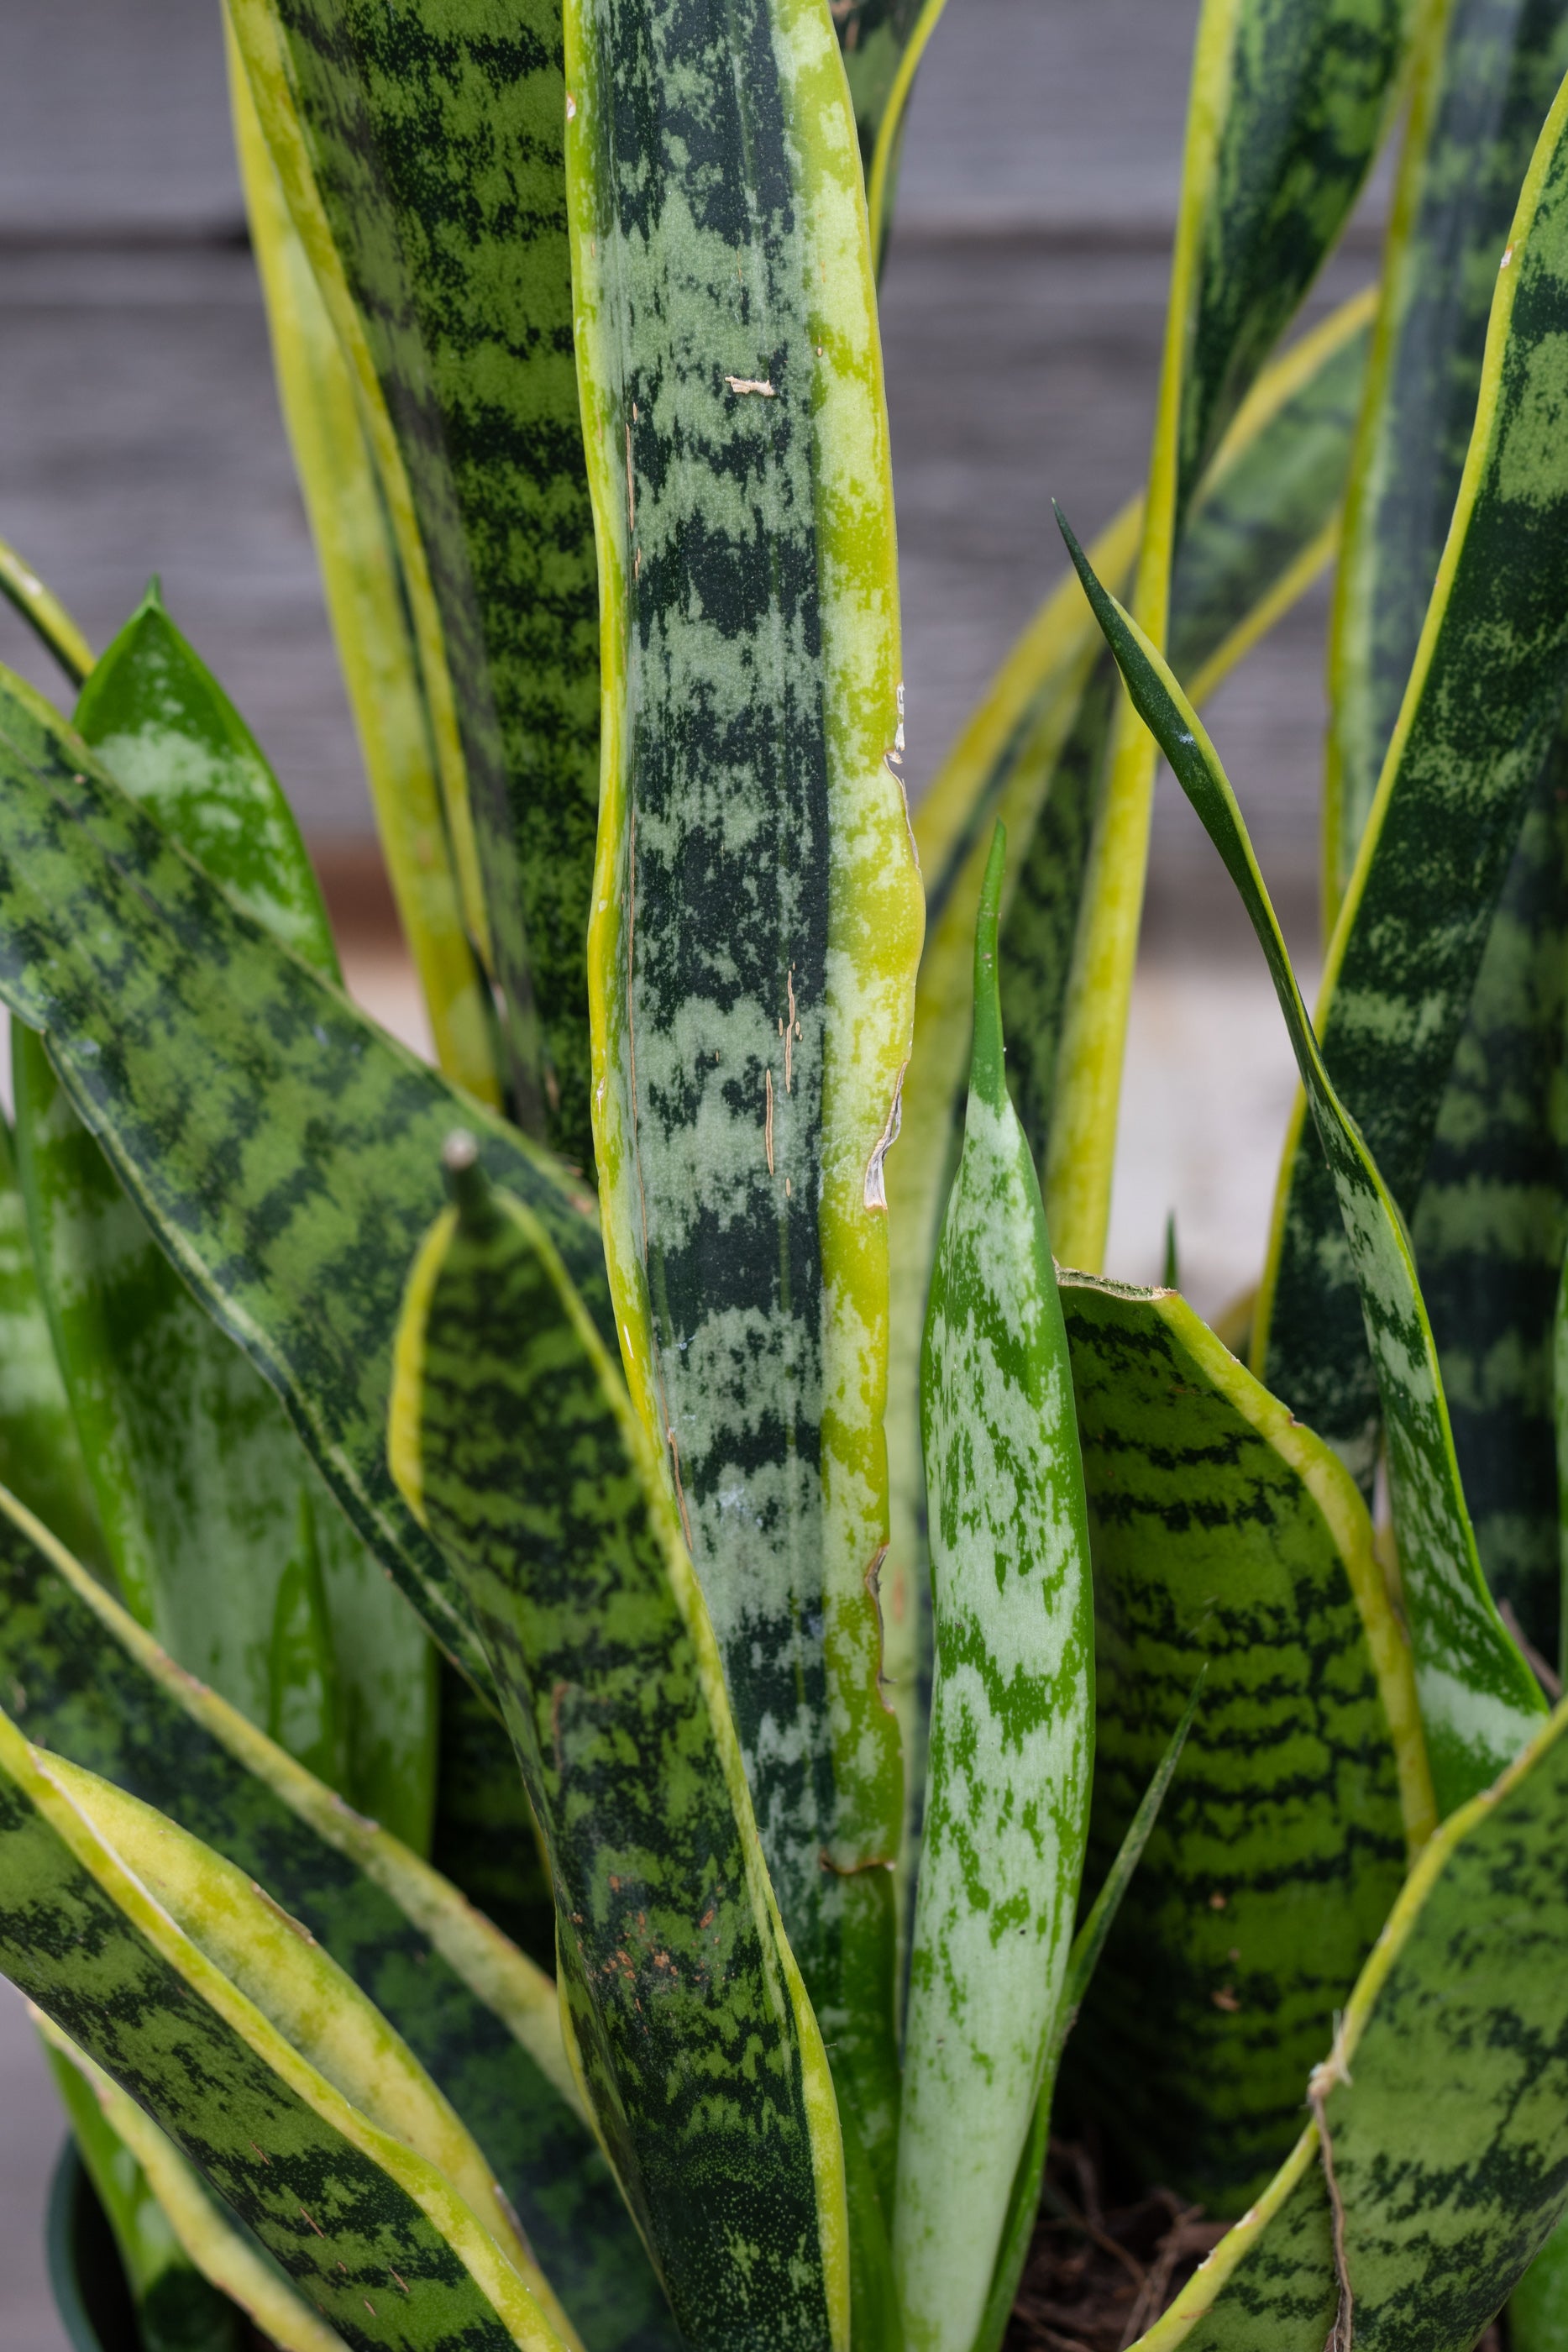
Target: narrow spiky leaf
(1011,1708)
(757,908)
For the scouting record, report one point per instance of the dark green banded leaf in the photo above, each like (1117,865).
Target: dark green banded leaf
(176,2309)
(281,1147)
(483,1838)
(390,2254)
(458,284)
(1032,755)
(1479,715)
(45,615)
(1445,2100)
(1491,1221)
(757,910)
(1287,107)
(1479,1698)
(1486,74)
(368,602)
(1013,1725)
(83,1680)
(513,1434)
(40,1452)
(1228,1541)
(222,1536)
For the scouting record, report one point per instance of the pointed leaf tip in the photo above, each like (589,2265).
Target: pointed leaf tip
(988,1068)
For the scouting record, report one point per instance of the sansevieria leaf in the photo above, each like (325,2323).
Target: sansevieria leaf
(85,1681)
(512,1434)
(1011,1737)
(1480,712)
(1479,1698)
(40,1451)
(221,1534)
(1228,1541)
(283,1149)
(1490,1221)
(451,292)
(1444,2104)
(45,615)
(177,2310)
(367,603)
(1033,755)
(119,1956)
(757,907)
(1287,107)
(1486,73)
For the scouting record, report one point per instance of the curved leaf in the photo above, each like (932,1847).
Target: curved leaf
(177,2310)
(137,2162)
(1287,108)
(1228,1541)
(758,913)
(883,43)
(1011,1737)
(453,288)
(1486,74)
(221,1534)
(1479,1698)
(391,2255)
(367,602)
(84,1680)
(513,1435)
(1445,2104)
(1479,715)
(281,1147)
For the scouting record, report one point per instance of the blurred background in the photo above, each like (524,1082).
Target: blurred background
(1022,314)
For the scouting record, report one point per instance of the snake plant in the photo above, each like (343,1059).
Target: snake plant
(624,1667)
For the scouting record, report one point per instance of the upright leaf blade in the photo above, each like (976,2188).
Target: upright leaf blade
(455,286)
(1012,1706)
(1491,1221)
(1032,755)
(758,909)
(1480,714)
(1486,72)
(1287,108)
(1479,1698)
(368,604)
(513,1434)
(1228,1541)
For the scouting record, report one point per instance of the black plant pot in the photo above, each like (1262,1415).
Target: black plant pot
(85,2273)
(94,2300)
